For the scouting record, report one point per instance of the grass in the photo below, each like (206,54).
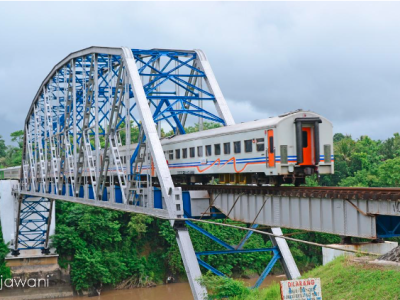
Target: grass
(341,279)
(344,279)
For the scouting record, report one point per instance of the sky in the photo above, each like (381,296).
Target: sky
(339,59)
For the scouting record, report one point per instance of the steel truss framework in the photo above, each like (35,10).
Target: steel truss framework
(235,250)
(85,111)
(33,223)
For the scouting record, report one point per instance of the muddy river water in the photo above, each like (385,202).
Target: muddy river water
(179,291)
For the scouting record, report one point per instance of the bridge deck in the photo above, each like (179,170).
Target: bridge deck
(359,212)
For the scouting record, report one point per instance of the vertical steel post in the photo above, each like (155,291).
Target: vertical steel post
(46,249)
(172,195)
(15,251)
(201,105)
(74,116)
(212,83)
(96,114)
(127,129)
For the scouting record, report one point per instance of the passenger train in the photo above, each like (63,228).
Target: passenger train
(283,149)
(278,150)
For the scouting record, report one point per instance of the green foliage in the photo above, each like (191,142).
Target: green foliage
(5,271)
(11,156)
(389,173)
(364,162)
(223,287)
(312,181)
(195,128)
(103,246)
(3,147)
(227,288)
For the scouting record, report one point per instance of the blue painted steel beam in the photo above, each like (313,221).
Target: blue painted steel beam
(209,235)
(235,251)
(388,226)
(268,268)
(33,224)
(247,236)
(209,267)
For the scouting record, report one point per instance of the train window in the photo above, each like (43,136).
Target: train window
(237,147)
(260,144)
(184,153)
(227,148)
(192,152)
(271,144)
(171,154)
(327,154)
(200,151)
(217,149)
(305,139)
(284,156)
(248,146)
(208,150)
(178,153)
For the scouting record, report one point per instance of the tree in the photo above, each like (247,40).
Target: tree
(18,136)
(195,128)
(3,147)
(389,173)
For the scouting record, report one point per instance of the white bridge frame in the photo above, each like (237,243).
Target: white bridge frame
(93,93)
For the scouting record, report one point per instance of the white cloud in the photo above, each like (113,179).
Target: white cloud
(338,59)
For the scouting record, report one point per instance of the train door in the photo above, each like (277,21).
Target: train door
(307,141)
(307,146)
(271,152)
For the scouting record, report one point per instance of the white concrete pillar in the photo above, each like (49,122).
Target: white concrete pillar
(8,208)
(380,248)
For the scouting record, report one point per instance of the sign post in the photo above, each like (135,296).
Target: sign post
(301,289)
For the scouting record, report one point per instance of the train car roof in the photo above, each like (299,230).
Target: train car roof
(241,127)
(10,168)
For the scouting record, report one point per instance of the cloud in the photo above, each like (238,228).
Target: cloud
(338,59)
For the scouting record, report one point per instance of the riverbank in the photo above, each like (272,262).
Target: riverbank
(350,278)
(179,291)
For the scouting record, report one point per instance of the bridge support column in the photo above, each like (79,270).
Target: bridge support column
(8,210)
(287,260)
(190,262)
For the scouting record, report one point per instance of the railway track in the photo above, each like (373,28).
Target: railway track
(346,193)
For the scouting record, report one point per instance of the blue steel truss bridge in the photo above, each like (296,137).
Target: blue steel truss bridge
(78,148)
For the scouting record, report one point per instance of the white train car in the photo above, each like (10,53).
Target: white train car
(283,149)
(10,173)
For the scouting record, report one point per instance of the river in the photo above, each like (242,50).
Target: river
(179,291)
